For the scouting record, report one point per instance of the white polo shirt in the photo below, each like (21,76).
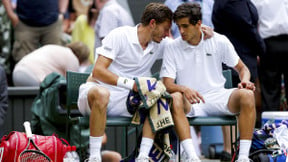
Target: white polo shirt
(199,67)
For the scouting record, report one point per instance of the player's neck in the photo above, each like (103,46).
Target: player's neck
(144,36)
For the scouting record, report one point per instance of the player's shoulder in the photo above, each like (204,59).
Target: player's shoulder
(218,38)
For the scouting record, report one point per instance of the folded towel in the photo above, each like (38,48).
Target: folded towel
(154,97)
(150,90)
(153,100)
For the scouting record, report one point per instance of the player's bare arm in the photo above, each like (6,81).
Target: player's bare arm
(101,72)
(244,75)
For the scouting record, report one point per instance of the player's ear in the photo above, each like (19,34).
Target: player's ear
(152,23)
(199,22)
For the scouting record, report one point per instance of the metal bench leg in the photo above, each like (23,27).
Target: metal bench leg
(235,142)
(231,139)
(126,141)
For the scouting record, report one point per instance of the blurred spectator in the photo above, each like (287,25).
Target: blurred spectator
(273,28)
(35,24)
(75,9)
(83,30)
(81,7)
(238,20)
(111,16)
(34,67)
(207,8)
(5,41)
(3,98)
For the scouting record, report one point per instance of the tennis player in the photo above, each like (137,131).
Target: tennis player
(196,66)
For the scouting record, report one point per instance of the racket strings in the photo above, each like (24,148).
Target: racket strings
(33,156)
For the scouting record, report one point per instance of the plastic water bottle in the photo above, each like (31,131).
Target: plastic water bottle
(68,157)
(173,157)
(75,154)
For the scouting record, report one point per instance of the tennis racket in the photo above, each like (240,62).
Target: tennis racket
(30,154)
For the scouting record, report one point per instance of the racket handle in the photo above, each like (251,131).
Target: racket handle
(27,129)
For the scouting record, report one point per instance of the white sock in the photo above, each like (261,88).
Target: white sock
(244,149)
(145,146)
(95,146)
(188,147)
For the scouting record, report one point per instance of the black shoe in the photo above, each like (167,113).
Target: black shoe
(225,156)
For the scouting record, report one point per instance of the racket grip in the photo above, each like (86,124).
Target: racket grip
(27,129)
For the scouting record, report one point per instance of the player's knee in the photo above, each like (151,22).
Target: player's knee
(99,96)
(177,97)
(247,98)
(177,102)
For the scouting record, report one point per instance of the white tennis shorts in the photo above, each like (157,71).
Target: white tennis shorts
(117,100)
(216,104)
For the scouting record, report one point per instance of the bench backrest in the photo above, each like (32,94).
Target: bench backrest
(74,80)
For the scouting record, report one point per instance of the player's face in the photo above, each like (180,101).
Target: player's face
(188,31)
(161,31)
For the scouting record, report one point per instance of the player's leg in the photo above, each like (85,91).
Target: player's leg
(146,142)
(243,101)
(182,125)
(93,100)
(98,98)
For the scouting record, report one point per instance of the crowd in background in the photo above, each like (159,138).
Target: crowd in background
(259,35)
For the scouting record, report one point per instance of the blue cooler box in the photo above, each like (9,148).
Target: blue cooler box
(273,116)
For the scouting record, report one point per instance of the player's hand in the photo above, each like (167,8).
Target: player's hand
(193,96)
(247,85)
(208,32)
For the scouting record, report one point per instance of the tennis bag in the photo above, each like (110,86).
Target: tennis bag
(15,142)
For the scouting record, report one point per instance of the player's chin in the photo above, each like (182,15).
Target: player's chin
(184,37)
(158,40)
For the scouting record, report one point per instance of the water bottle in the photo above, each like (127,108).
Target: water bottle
(68,156)
(75,154)
(173,157)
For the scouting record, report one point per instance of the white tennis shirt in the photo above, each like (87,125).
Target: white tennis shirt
(199,67)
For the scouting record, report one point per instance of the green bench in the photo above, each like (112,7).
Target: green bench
(75,79)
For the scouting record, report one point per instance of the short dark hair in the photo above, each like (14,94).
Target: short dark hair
(190,10)
(157,11)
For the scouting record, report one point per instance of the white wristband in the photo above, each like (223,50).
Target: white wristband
(125,83)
